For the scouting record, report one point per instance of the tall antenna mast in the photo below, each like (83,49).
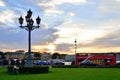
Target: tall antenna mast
(75,45)
(75,49)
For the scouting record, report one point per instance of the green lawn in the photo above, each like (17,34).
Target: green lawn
(66,74)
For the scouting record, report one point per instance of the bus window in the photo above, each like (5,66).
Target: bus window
(107,60)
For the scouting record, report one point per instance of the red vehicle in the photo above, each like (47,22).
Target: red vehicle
(102,59)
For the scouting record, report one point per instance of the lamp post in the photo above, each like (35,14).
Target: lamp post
(29,27)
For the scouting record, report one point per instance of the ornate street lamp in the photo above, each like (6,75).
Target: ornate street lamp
(29,27)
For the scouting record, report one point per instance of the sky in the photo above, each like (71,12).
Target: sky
(95,24)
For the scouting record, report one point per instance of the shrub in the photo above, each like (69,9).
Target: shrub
(65,66)
(34,69)
(75,66)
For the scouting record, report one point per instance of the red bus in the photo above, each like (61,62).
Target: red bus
(102,59)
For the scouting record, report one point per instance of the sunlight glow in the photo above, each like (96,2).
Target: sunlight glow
(51,47)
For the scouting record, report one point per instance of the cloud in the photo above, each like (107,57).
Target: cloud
(64,47)
(112,39)
(51,6)
(68,32)
(16,38)
(2,4)
(53,3)
(107,43)
(11,38)
(40,48)
(94,24)
(43,35)
(7,17)
(89,37)
(75,2)
(53,10)
(110,6)
(71,14)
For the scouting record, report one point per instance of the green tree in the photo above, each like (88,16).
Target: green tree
(2,56)
(21,51)
(46,53)
(62,56)
(37,55)
(55,55)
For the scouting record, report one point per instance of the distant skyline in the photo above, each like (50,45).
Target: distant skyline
(94,23)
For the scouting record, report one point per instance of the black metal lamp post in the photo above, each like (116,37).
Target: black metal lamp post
(29,27)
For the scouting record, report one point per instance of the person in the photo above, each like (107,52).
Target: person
(15,69)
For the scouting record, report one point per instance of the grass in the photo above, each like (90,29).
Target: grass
(66,74)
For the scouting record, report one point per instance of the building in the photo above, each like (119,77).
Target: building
(70,58)
(45,57)
(118,58)
(15,55)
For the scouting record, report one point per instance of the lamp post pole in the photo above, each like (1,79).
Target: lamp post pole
(29,39)
(29,27)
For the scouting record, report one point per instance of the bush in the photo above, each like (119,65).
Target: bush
(65,66)
(75,66)
(34,69)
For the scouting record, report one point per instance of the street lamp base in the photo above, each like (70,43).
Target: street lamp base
(29,61)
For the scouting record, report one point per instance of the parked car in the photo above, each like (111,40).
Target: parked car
(118,64)
(41,63)
(89,64)
(59,64)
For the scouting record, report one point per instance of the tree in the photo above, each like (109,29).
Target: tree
(46,53)
(55,55)
(2,56)
(21,51)
(62,56)
(37,55)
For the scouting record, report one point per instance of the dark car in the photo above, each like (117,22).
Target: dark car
(89,64)
(41,63)
(118,64)
(59,64)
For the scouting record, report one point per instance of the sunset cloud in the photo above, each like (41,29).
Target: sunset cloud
(2,3)
(94,23)
(7,16)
